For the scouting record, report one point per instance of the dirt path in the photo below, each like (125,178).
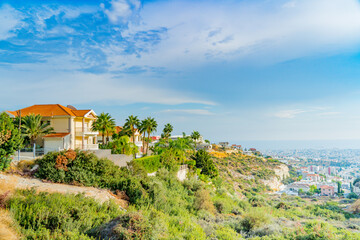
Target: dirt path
(18,182)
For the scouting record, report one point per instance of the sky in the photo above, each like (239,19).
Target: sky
(234,70)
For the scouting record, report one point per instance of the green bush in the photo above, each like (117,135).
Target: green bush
(58,216)
(254,219)
(205,163)
(150,163)
(78,167)
(10,140)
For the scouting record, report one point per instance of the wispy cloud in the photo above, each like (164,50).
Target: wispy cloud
(189,111)
(289,113)
(314,111)
(10,20)
(121,10)
(80,88)
(329,113)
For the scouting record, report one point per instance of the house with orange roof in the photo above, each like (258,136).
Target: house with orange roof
(72,127)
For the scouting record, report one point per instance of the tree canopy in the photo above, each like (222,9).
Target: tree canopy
(105,124)
(10,140)
(33,127)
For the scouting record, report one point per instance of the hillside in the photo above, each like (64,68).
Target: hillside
(251,174)
(232,205)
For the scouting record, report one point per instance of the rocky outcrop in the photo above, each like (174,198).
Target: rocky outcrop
(274,183)
(282,171)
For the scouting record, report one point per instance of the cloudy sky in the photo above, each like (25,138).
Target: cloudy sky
(235,70)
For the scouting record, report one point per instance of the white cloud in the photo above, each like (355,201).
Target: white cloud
(80,88)
(10,20)
(289,113)
(252,31)
(121,10)
(189,111)
(329,113)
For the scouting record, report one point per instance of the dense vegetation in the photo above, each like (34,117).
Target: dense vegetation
(10,140)
(229,203)
(58,216)
(83,168)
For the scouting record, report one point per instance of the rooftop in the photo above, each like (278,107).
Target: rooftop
(50,110)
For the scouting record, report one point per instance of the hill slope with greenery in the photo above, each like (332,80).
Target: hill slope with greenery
(223,198)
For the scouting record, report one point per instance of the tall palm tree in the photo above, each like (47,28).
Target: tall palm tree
(131,123)
(105,124)
(33,127)
(195,135)
(150,127)
(167,131)
(142,130)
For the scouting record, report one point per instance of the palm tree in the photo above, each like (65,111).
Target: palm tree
(33,127)
(105,124)
(122,145)
(167,131)
(131,123)
(150,127)
(142,130)
(195,135)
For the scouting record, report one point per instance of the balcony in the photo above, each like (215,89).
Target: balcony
(87,131)
(87,146)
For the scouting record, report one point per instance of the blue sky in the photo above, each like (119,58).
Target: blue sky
(240,70)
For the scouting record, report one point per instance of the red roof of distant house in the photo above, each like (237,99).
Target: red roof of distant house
(56,135)
(49,110)
(252,149)
(326,187)
(312,175)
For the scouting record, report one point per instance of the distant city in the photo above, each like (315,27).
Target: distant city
(317,155)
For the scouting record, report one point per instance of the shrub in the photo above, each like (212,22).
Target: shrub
(150,163)
(203,201)
(226,233)
(253,219)
(133,226)
(10,140)
(86,169)
(205,163)
(58,216)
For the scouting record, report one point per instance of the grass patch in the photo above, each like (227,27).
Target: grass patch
(58,216)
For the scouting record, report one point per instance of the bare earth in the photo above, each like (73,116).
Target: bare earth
(18,182)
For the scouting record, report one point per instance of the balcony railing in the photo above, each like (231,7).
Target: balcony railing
(86,131)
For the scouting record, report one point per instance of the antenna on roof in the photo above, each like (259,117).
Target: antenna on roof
(71,107)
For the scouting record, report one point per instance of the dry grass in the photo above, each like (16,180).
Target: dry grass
(7,231)
(25,165)
(8,185)
(121,198)
(355,207)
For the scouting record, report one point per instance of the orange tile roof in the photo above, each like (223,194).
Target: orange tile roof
(49,110)
(80,113)
(327,187)
(56,135)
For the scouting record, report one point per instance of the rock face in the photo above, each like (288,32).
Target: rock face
(281,172)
